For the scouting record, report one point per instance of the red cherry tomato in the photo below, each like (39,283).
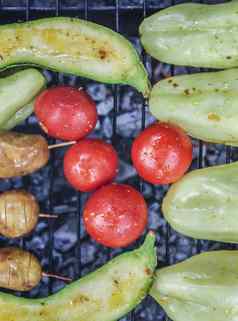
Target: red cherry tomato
(162,153)
(90,163)
(66,113)
(115,215)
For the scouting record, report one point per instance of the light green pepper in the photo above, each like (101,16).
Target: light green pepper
(104,295)
(203,288)
(74,46)
(194,34)
(18,90)
(204,204)
(21,115)
(203,104)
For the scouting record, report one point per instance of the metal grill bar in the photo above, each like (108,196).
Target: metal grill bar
(51,223)
(145,101)
(200,164)
(168,228)
(26,180)
(99,8)
(86,9)
(78,264)
(57,7)
(27,10)
(77,247)
(116,97)
(228,154)
(116,87)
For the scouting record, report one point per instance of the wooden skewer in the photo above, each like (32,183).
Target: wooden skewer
(48,215)
(61,144)
(55,276)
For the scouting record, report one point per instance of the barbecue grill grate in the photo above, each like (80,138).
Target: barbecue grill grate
(62,245)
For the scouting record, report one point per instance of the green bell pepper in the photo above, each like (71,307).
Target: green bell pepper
(203,288)
(104,295)
(204,204)
(203,104)
(194,34)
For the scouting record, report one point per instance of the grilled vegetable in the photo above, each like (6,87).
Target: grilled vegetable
(21,154)
(115,215)
(162,153)
(17,90)
(65,112)
(73,46)
(204,104)
(19,213)
(192,34)
(19,270)
(203,204)
(90,163)
(201,288)
(19,116)
(106,294)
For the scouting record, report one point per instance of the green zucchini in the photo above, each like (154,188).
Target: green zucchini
(73,46)
(104,295)
(204,203)
(202,288)
(21,115)
(194,34)
(17,90)
(203,104)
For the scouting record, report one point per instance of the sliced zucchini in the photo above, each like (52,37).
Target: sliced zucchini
(203,104)
(194,34)
(73,46)
(104,295)
(18,90)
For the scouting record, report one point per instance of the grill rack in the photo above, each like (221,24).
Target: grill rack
(172,247)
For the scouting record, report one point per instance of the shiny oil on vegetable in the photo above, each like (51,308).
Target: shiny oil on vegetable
(19,213)
(203,104)
(21,154)
(19,270)
(17,91)
(203,288)
(21,115)
(73,46)
(106,294)
(204,203)
(194,34)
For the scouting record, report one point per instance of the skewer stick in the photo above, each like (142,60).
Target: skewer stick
(62,144)
(48,215)
(55,276)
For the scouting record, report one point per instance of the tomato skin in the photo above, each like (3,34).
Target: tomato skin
(90,163)
(115,215)
(162,153)
(66,112)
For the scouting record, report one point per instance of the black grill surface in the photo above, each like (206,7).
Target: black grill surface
(62,245)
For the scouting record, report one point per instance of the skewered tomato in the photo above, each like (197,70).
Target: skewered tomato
(66,113)
(115,215)
(90,163)
(162,153)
